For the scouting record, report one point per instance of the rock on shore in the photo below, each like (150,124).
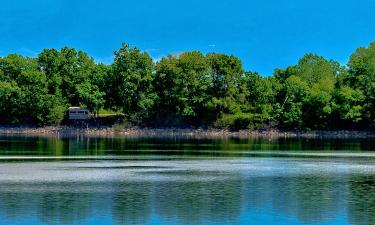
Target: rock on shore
(177,132)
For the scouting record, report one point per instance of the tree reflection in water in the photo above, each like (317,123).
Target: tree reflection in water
(309,199)
(198,189)
(361,199)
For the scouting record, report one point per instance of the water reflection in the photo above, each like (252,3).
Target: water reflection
(361,200)
(164,190)
(80,145)
(215,199)
(131,203)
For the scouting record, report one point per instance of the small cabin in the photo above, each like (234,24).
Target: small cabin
(78,113)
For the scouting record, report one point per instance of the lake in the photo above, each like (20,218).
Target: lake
(80,180)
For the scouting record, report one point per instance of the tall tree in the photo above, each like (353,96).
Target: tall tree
(23,80)
(362,76)
(90,96)
(348,106)
(131,83)
(66,70)
(316,76)
(181,83)
(261,94)
(227,86)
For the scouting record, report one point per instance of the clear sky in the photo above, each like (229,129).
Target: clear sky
(265,34)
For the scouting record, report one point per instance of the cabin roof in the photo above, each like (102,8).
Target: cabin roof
(76,108)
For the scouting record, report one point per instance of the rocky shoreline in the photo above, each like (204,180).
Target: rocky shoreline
(177,132)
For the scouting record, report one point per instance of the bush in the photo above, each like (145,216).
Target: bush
(239,121)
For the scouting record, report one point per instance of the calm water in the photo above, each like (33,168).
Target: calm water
(180,181)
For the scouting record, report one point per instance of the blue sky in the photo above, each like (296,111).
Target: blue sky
(265,34)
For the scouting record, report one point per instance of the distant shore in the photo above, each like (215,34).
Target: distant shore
(178,132)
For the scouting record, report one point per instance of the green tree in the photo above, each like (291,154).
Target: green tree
(11,99)
(24,81)
(348,104)
(362,76)
(261,94)
(90,96)
(182,84)
(50,62)
(315,77)
(131,83)
(190,89)
(65,70)
(227,87)
(289,111)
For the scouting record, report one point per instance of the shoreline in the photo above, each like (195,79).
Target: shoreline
(136,132)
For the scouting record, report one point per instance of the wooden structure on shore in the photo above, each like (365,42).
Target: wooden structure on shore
(78,113)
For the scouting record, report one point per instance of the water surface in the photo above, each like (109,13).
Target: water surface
(82,180)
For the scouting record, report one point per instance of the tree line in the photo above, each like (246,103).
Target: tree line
(190,89)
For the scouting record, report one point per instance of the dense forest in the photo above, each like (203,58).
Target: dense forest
(190,89)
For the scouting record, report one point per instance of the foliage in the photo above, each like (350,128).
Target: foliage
(305,100)
(24,93)
(260,95)
(189,89)
(239,121)
(348,104)
(130,83)
(182,84)
(362,76)
(227,87)
(90,96)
